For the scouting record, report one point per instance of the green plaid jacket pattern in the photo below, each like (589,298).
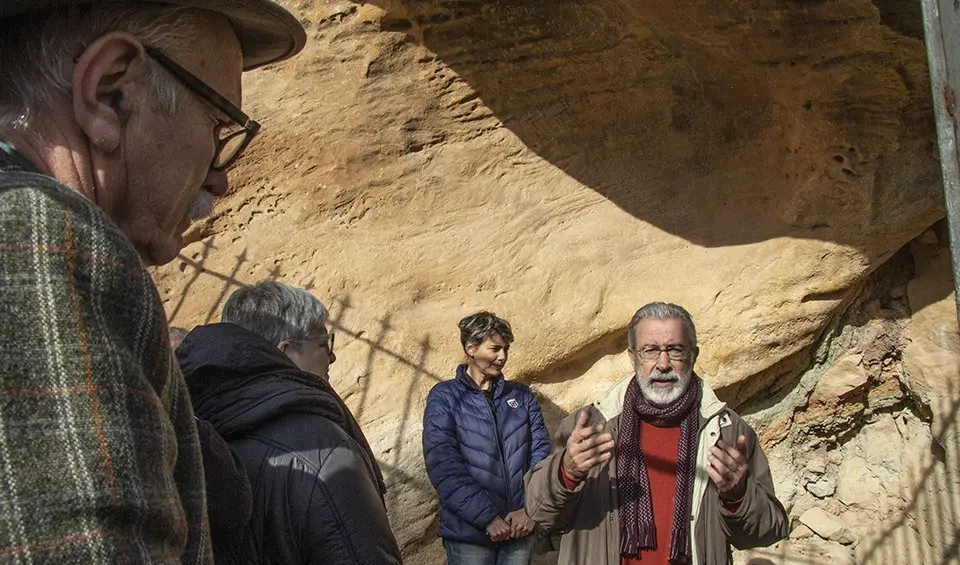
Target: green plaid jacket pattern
(99,456)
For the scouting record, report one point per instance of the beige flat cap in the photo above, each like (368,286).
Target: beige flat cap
(268,32)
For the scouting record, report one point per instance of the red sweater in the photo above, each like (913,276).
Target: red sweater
(661,447)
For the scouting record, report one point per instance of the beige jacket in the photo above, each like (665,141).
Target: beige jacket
(587,515)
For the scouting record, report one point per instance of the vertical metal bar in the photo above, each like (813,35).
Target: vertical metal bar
(941,25)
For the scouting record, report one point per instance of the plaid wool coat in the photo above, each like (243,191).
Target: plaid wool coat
(99,456)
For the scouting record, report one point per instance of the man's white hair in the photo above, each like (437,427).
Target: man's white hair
(662,311)
(37,59)
(275,311)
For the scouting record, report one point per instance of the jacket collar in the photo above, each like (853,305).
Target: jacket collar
(464,379)
(12,160)
(611,403)
(710,403)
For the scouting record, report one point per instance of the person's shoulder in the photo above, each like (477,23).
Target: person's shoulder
(83,256)
(310,435)
(13,181)
(300,447)
(17,189)
(39,207)
(79,247)
(734,419)
(517,387)
(327,432)
(445,389)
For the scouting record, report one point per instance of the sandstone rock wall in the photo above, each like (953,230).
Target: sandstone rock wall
(864,447)
(562,163)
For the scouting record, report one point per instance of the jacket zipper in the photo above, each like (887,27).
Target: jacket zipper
(503,461)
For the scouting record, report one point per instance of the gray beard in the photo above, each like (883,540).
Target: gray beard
(660,395)
(201,207)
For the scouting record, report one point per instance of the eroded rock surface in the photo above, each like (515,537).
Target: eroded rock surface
(889,449)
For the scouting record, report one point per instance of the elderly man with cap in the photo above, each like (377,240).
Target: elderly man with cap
(118,122)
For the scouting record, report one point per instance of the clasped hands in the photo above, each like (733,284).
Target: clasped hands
(516,525)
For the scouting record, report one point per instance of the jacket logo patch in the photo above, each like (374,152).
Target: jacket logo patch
(512,402)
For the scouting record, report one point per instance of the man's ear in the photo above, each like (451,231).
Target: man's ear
(470,349)
(105,80)
(283,346)
(694,353)
(634,360)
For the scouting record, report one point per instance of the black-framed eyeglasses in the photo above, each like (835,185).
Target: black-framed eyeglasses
(326,340)
(652,352)
(231,141)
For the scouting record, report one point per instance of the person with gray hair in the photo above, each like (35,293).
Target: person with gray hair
(659,470)
(481,433)
(118,122)
(290,318)
(260,379)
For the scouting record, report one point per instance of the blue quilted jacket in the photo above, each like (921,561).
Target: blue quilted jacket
(477,451)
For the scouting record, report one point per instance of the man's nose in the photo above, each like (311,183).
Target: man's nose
(216,183)
(663,362)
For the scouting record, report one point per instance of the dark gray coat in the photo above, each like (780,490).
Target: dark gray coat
(317,490)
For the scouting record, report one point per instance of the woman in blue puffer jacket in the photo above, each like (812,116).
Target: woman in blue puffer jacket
(481,433)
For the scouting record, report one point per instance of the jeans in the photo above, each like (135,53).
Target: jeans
(511,552)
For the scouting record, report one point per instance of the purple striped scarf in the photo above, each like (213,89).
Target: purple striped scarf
(637,528)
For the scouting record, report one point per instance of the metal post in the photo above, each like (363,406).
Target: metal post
(941,25)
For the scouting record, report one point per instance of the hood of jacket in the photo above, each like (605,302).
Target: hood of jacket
(239,381)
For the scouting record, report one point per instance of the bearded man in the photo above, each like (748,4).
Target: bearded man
(659,471)
(118,122)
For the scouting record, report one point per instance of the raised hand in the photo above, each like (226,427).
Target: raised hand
(728,469)
(587,447)
(521,525)
(498,530)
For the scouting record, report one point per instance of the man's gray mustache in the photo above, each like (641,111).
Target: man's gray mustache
(201,207)
(664,377)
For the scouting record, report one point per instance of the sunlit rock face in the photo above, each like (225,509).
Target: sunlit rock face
(562,163)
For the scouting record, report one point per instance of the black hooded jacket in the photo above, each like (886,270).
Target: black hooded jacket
(317,489)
